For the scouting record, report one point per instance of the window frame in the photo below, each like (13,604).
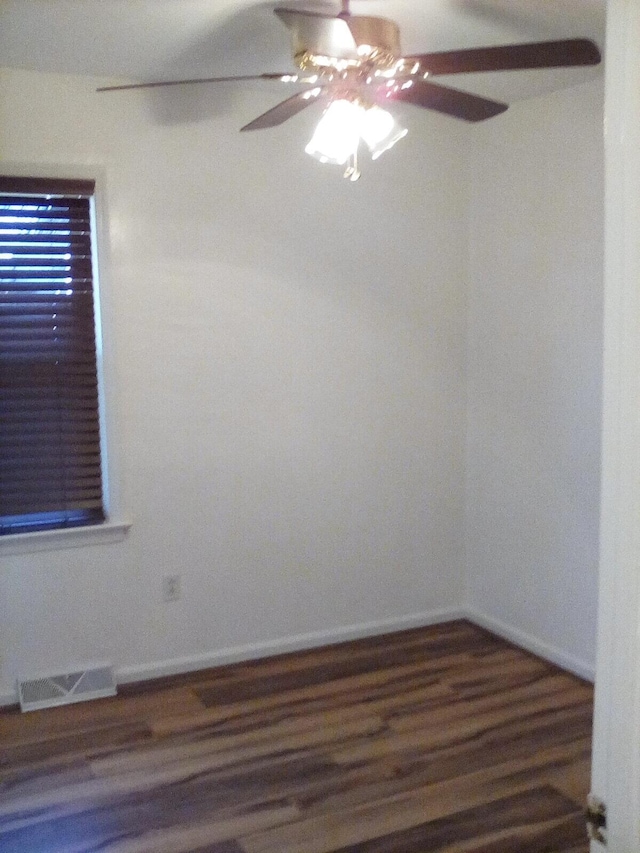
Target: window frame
(115,525)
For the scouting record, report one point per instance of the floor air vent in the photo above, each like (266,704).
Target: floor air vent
(65,688)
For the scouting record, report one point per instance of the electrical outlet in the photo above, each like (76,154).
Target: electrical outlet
(171,587)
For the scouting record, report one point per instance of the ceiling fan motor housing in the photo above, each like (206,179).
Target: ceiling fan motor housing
(377,32)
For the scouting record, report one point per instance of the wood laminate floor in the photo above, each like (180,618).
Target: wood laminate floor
(439,739)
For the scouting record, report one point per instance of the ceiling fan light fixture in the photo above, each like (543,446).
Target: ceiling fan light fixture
(344,123)
(337,135)
(354,62)
(380,130)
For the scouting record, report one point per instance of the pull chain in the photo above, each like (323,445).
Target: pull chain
(352,171)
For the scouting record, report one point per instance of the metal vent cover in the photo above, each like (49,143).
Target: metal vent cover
(64,688)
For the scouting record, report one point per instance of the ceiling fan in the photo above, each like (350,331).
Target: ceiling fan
(353,65)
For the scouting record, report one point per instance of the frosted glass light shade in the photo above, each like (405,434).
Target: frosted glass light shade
(380,130)
(337,135)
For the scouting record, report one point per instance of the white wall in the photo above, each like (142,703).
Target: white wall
(288,383)
(289,380)
(534,381)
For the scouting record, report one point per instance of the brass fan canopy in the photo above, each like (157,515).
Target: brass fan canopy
(379,33)
(352,43)
(339,44)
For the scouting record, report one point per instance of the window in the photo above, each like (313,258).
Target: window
(50,465)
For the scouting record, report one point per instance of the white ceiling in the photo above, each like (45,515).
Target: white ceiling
(169,39)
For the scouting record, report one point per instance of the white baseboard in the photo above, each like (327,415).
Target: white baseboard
(253,651)
(532,644)
(8,699)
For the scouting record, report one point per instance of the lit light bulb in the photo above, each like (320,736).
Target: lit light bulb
(380,131)
(337,135)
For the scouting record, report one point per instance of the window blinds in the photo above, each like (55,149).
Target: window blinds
(50,468)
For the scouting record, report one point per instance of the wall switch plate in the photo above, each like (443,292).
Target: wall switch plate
(171,587)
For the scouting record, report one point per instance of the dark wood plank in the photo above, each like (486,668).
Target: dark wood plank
(83,741)
(141,817)
(25,781)
(506,817)
(243,689)
(567,835)
(444,738)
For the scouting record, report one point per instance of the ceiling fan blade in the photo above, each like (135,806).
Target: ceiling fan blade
(287,77)
(320,34)
(452,102)
(511,57)
(286,109)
